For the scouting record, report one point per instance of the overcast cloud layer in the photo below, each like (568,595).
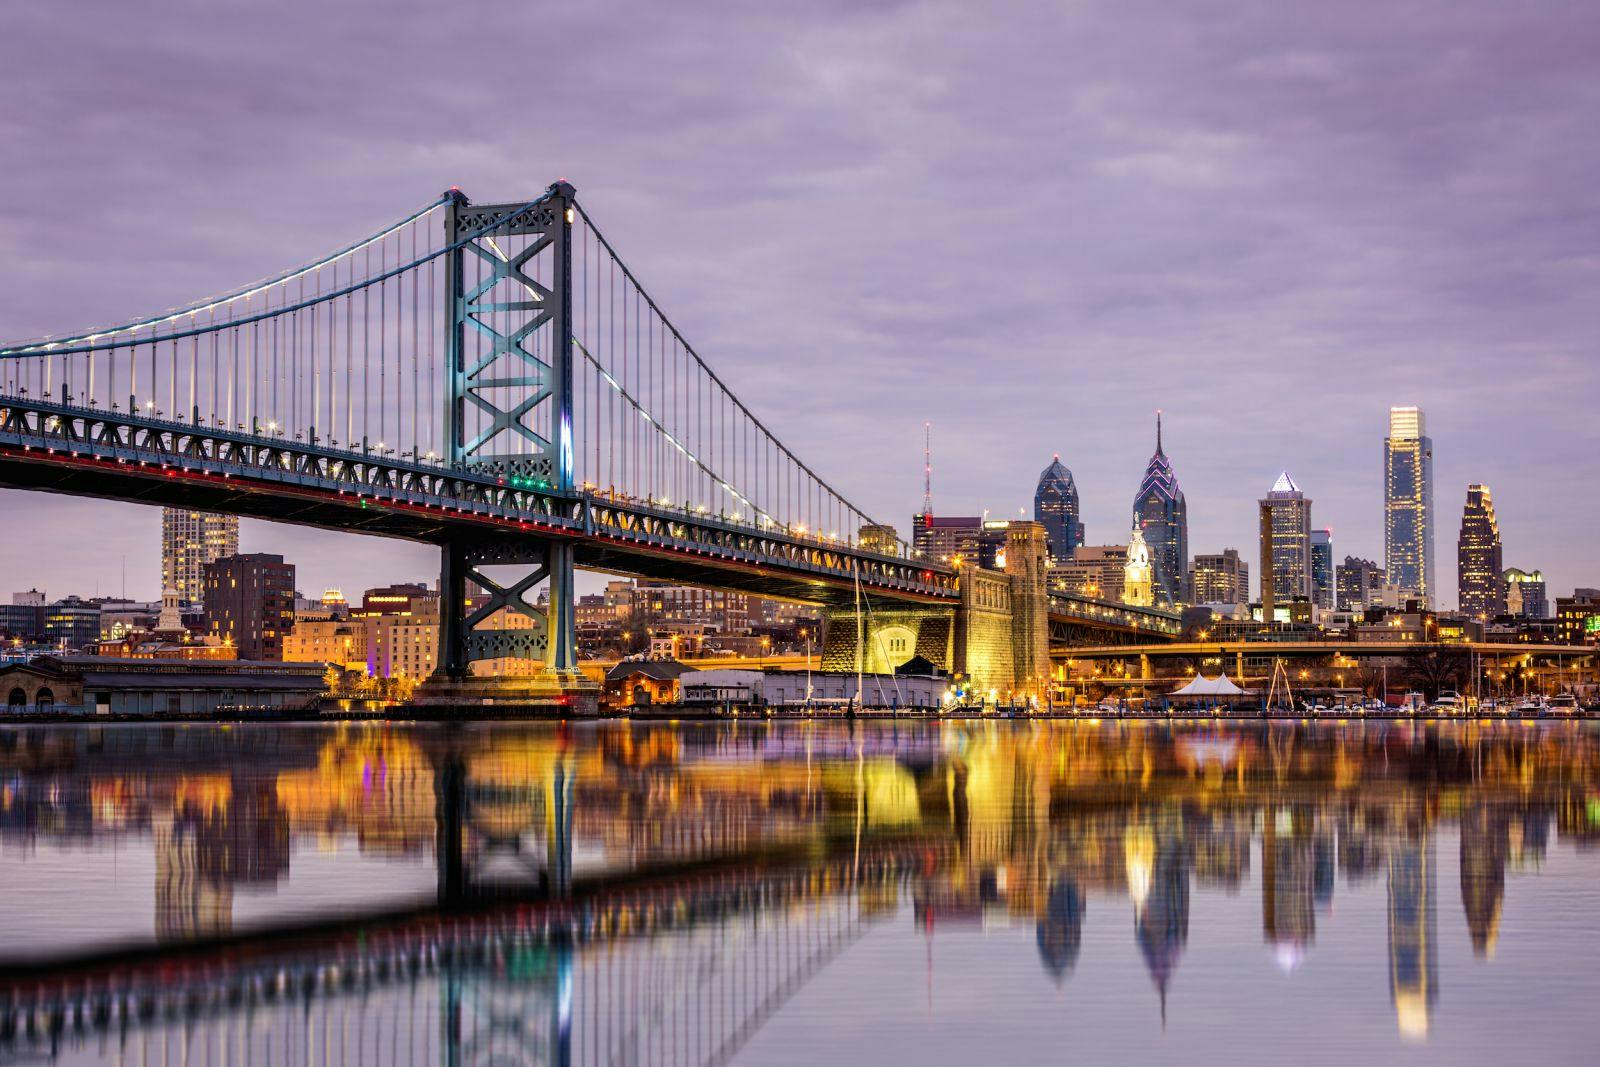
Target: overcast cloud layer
(1030,224)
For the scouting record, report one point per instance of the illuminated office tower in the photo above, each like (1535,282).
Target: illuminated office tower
(1220,579)
(1478,558)
(1322,587)
(1055,505)
(1413,931)
(1408,504)
(190,540)
(1285,546)
(1162,514)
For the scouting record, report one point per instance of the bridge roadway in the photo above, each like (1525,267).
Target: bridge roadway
(63,448)
(1313,649)
(86,452)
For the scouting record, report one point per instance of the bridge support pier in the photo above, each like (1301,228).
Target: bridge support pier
(487,617)
(996,641)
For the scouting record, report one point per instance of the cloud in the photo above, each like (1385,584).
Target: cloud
(1032,226)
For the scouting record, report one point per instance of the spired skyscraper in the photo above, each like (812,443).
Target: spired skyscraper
(1159,511)
(1478,558)
(1055,506)
(1286,561)
(1408,504)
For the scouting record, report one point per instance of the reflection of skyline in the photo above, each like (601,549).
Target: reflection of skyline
(1018,823)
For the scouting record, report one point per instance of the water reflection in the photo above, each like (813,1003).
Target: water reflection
(644,894)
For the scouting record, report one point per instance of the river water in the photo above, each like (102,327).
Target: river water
(794,893)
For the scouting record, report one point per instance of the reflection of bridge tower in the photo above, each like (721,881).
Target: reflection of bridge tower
(494,830)
(1413,931)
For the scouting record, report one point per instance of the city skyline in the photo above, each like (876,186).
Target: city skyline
(1236,217)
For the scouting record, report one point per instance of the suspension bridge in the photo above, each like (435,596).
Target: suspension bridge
(493,379)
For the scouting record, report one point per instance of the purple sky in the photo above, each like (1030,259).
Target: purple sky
(1032,225)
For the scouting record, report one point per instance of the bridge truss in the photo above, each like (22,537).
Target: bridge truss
(483,361)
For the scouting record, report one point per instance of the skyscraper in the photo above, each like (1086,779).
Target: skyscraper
(1408,504)
(190,540)
(1055,505)
(1285,546)
(1220,579)
(1361,584)
(1160,512)
(1478,557)
(1322,568)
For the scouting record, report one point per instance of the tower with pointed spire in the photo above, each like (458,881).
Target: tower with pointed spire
(1285,546)
(1162,515)
(1055,506)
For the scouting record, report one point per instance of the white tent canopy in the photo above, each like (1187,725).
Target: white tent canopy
(1201,686)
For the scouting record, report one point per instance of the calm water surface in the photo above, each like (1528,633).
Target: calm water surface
(798,894)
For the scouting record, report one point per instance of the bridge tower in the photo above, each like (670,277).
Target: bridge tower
(508,413)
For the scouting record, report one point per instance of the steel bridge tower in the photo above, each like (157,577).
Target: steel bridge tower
(508,363)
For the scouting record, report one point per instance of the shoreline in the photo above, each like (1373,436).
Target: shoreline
(661,713)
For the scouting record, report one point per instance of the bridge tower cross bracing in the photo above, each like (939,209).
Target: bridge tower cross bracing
(509,413)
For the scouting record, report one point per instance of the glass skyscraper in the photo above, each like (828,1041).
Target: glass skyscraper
(1408,504)
(1161,513)
(1285,547)
(1478,558)
(1322,576)
(1055,505)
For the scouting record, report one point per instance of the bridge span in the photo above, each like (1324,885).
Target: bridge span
(495,380)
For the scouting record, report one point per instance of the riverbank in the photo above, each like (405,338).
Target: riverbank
(700,713)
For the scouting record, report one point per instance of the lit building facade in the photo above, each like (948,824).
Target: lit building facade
(1525,594)
(1578,617)
(1162,515)
(1285,546)
(1322,572)
(1478,558)
(249,603)
(1138,579)
(880,538)
(1055,506)
(1408,504)
(1220,579)
(190,540)
(1094,571)
(344,643)
(1360,584)
(947,538)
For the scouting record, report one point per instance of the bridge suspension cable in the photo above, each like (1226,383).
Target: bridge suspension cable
(354,352)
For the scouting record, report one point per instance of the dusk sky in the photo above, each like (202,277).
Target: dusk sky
(1032,225)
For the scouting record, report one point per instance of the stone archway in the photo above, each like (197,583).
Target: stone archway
(45,700)
(18,699)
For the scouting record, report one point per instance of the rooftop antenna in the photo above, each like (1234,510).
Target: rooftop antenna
(927,469)
(1158,430)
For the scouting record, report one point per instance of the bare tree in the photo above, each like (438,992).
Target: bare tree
(1432,670)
